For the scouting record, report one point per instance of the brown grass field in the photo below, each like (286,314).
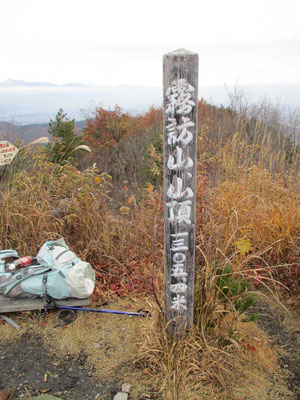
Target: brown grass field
(248,220)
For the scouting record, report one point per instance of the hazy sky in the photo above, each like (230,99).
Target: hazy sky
(115,42)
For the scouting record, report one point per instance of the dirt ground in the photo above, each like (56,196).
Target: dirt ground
(87,359)
(29,368)
(93,356)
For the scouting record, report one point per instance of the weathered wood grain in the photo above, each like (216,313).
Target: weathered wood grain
(180,96)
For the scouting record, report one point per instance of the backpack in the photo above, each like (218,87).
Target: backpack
(58,273)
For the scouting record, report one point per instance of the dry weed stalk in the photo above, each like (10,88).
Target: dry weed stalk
(206,364)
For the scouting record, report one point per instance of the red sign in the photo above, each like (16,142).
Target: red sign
(7,152)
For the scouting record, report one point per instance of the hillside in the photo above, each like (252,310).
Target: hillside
(30,132)
(108,205)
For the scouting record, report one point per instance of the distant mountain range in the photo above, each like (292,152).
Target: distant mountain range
(17,83)
(24,102)
(36,102)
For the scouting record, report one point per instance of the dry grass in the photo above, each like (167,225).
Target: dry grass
(248,192)
(210,366)
(261,208)
(108,340)
(47,201)
(200,367)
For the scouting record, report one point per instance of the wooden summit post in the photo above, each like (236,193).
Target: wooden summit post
(180,75)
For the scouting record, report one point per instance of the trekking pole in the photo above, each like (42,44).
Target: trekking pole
(135,314)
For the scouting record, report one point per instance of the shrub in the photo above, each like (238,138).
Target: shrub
(67,143)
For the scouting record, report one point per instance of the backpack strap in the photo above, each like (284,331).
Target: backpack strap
(17,278)
(49,302)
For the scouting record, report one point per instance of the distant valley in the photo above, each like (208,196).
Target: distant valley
(27,107)
(30,132)
(23,103)
(36,102)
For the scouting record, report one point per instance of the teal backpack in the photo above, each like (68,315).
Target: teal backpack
(58,273)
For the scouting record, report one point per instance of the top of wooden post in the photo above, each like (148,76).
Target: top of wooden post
(180,52)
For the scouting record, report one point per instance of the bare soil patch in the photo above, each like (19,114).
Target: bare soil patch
(29,368)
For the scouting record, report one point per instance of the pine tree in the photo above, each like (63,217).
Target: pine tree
(67,143)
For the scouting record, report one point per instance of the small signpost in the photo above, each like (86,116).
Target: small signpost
(180,74)
(7,152)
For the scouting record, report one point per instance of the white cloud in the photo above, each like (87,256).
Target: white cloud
(122,42)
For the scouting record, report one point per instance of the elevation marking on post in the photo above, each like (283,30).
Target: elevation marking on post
(180,98)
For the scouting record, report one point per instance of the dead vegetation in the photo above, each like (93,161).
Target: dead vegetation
(206,366)
(210,366)
(248,214)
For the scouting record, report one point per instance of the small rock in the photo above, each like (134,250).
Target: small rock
(124,394)
(121,396)
(126,387)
